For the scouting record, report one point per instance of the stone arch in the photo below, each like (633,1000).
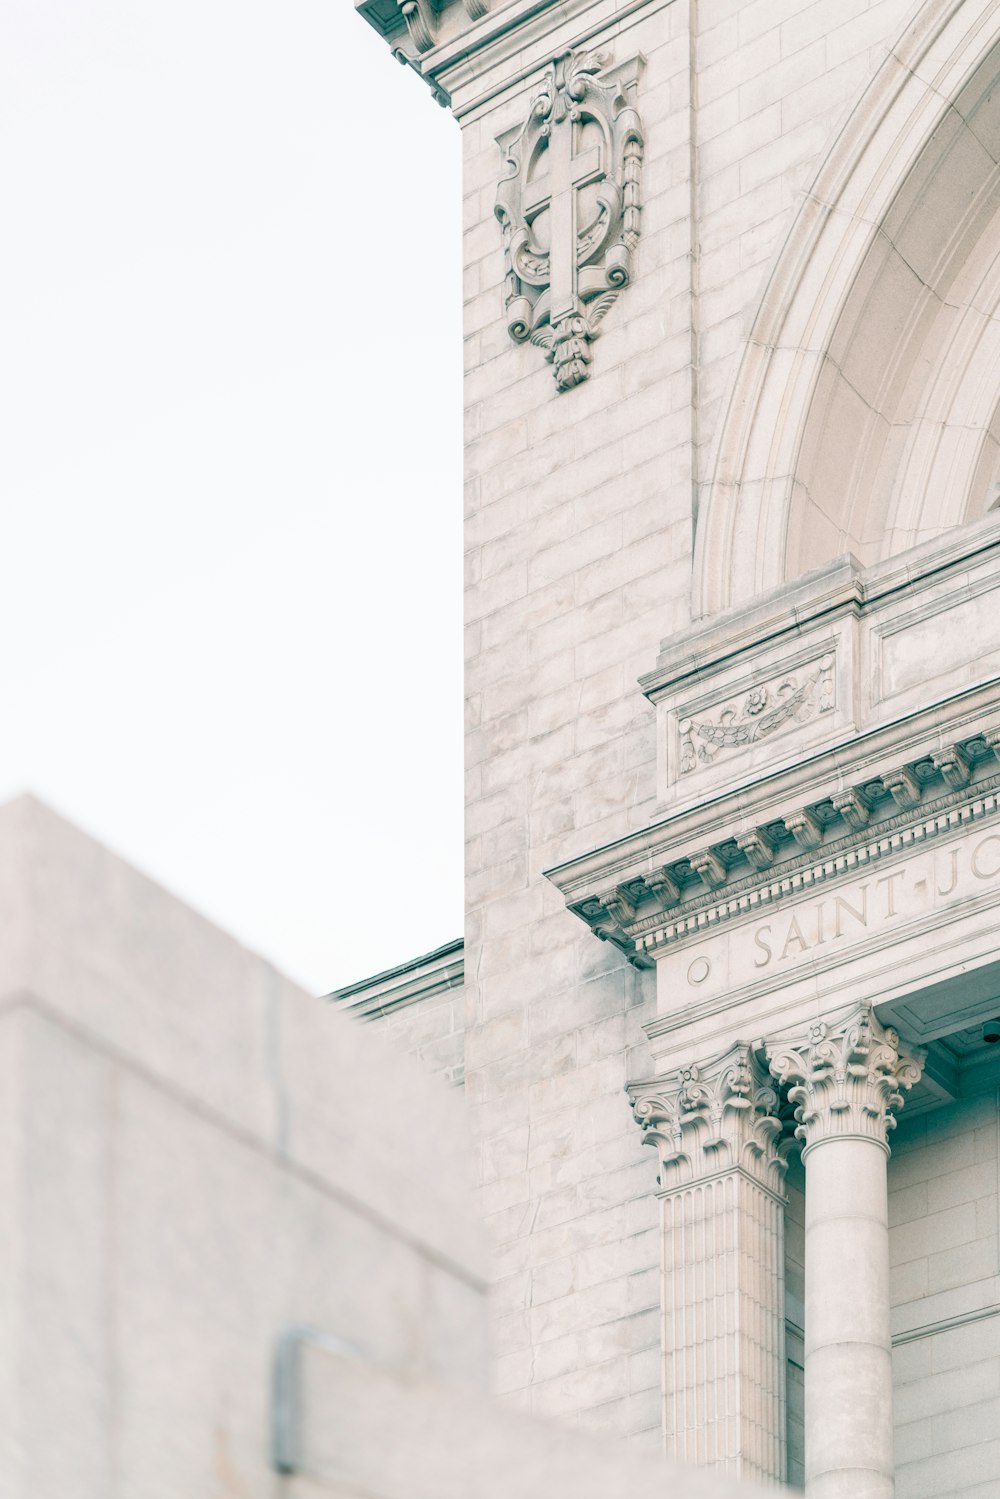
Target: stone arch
(865,414)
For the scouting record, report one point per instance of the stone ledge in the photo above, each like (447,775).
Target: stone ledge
(420,978)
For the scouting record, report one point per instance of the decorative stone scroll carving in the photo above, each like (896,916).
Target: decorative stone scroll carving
(711,1117)
(845,1077)
(762,711)
(416,14)
(569,208)
(421,23)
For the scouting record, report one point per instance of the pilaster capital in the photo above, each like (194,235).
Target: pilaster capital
(710,1117)
(845,1077)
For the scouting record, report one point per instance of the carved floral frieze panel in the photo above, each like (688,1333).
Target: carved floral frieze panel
(761,712)
(569,208)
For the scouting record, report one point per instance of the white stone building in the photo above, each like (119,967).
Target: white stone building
(733,751)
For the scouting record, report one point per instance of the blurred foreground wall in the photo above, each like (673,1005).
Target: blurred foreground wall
(237,1256)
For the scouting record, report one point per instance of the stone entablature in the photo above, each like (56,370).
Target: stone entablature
(818,661)
(784,856)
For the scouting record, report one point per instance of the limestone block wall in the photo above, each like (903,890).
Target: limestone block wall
(580,510)
(578,538)
(944,1178)
(433,1032)
(417,1009)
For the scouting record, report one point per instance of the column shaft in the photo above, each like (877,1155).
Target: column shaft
(848,1362)
(846,1078)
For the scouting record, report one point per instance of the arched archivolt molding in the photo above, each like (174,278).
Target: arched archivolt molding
(865,415)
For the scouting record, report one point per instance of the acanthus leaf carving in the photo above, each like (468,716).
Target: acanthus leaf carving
(567,256)
(845,1077)
(710,868)
(903,786)
(804,828)
(953,763)
(758,848)
(853,808)
(710,1117)
(664,887)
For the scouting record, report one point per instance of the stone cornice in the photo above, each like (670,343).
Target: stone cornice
(421,978)
(842,587)
(469,51)
(844,1078)
(660,886)
(713,1117)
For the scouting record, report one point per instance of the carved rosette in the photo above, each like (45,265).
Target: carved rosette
(845,1078)
(557,294)
(705,1119)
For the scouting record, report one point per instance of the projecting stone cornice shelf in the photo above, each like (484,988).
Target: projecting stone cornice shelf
(840,587)
(665,885)
(468,51)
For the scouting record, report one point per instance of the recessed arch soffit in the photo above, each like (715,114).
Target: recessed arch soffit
(865,414)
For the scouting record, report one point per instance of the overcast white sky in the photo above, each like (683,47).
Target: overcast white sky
(230,610)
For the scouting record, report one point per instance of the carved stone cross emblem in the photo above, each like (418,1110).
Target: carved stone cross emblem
(569,208)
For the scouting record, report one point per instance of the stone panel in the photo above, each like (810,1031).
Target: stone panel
(943,1182)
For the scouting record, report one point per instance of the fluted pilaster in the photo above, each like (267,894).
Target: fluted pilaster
(715,1128)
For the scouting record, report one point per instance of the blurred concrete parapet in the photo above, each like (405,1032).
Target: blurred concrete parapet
(238,1255)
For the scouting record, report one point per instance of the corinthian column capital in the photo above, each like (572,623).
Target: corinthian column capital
(710,1117)
(845,1077)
